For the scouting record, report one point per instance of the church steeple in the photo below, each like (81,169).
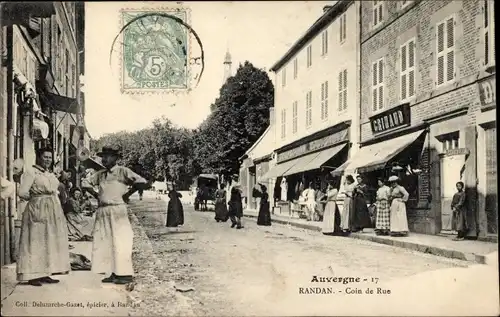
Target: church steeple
(227,67)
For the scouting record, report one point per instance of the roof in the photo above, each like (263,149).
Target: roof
(263,146)
(330,15)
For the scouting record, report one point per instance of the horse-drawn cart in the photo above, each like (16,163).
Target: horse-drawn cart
(206,186)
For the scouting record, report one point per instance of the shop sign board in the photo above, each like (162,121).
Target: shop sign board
(315,145)
(391,119)
(459,151)
(488,92)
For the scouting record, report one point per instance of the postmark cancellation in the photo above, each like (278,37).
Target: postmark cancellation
(155,51)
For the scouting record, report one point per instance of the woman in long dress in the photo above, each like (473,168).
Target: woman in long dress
(43,248)
(459,211)
(175,211)
(383,219)
(347,212)
(399,197)
(235,208)
(221,213)
(264,218)
(361,216)
(79,226)
(310,201)
(331,217)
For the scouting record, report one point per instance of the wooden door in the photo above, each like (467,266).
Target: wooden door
(450,175)
(491,204)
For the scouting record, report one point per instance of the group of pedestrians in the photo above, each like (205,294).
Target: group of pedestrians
(233,210)
(390,215)
(44,246)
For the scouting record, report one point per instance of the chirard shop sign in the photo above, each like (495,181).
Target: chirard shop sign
(391,119)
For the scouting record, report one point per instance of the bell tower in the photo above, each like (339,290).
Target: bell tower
(228,72)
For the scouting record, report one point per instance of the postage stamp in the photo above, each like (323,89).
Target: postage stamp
(155,51)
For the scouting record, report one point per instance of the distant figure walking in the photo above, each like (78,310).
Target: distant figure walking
(43,247)
(264,218)
(235,208)
(459,211)
(221,212)
(175,211)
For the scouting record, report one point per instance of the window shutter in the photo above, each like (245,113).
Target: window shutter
(344,22)
(326,41)
(340,91)
(340,29)
(344,86)
(375,98)
(380,15)
(345,99)
(411,54)
(380,97)
(374,73)
(486,48)
(381,71)
(440,69)
(375,16)
(450,32)
(440,38)
(411,83)
(403,58)
(450,71)
(403,86)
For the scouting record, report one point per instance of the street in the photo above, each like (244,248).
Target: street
(270,271)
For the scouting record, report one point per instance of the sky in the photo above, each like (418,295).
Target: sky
(260,32)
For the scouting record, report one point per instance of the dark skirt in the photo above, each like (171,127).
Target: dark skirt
(175,213)
(361,216)
(264,218)
(235,208)
(221,212)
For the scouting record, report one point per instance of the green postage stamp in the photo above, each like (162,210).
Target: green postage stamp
(155,51)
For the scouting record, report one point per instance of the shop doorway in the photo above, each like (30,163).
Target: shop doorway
(451,170)
(491,204)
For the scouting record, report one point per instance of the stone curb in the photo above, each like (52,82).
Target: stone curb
(452,254)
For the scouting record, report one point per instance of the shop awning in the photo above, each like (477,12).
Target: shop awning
(315,160)
(278,170)
(376,156)
(61,103)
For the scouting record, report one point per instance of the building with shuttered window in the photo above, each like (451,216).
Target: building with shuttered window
(428,107)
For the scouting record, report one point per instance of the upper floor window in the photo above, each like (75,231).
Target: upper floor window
(283,77)
(378,84)
(309,109)
(405,3)
(283,123)
(324,100)
(295,68)
(342,27)
(445,51)
(450,141)
(489,33)
(324,42)
(342,78)
(295,114)
(309,56)
(407,75)
(378,13)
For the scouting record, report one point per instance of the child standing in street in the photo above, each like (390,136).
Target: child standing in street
(113,235)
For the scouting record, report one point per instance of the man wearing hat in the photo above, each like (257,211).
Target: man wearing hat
(113,236)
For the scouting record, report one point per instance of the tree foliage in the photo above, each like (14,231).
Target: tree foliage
(238,117)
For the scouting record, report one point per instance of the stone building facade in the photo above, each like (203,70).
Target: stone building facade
(422,65)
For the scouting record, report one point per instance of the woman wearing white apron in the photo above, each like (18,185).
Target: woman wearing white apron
(113,235)
(399,197)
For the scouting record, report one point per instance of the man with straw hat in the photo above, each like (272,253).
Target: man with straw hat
(113,236)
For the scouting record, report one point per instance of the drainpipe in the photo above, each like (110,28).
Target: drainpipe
(358,110)
(11,124)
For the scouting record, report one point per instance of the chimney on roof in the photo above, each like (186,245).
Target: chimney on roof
(326,8)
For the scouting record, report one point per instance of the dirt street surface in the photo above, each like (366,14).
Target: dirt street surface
(266,270)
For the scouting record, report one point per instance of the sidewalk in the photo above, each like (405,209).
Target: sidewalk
(82,288)
(472,251)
